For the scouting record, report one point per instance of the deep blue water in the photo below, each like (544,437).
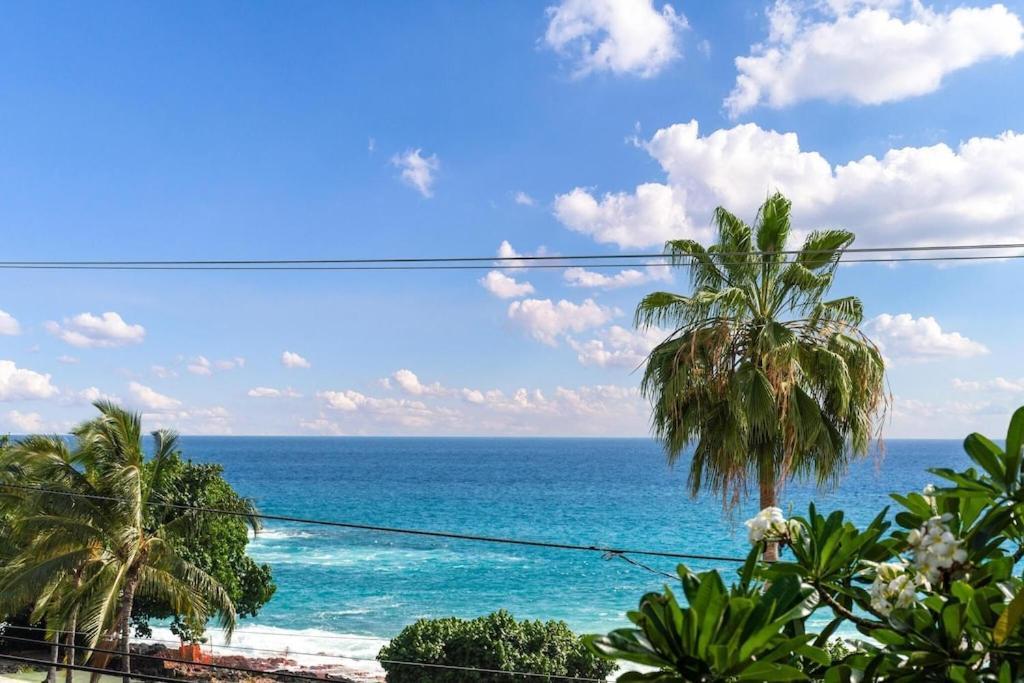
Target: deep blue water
(614,492)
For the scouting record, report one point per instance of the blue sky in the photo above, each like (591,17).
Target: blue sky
(329,130)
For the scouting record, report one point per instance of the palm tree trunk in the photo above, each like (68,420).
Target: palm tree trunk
(51,673)
(768,488)
(69,647)
(127,602)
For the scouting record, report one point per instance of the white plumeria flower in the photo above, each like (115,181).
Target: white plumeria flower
(895,587)
(935,548)
(768,525)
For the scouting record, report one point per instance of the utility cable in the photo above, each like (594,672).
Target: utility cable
(393,530)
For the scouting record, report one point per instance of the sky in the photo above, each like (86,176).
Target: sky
(237,130)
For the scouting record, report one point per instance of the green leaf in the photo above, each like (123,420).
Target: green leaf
(1014,443)
(1009,619)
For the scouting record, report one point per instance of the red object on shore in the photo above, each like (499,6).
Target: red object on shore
(193,652)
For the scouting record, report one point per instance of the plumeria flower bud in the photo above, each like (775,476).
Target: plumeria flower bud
(768,524)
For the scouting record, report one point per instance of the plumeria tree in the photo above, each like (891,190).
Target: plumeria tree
(930,593)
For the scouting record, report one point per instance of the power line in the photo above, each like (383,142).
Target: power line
(88,669)
(512,259)
(395,530)
(171,660)
(285,267)
(399,662)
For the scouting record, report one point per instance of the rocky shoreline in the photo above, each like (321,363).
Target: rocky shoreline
(159,660)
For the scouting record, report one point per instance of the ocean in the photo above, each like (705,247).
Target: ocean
(345,592)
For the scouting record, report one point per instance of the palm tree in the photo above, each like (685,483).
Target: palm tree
(123,550)
(767,377)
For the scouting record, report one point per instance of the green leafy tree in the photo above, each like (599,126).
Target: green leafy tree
(216,543)
(101,554)
(496,642)
(763,373)
(936,591)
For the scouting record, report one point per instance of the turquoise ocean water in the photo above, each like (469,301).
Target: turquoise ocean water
(345,592)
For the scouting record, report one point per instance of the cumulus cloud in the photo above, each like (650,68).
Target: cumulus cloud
(867,52)
(201,365)
(88,396)
(17,384)
(617,36)
(650,215)
(271,392)
(504,286)
(107,330)
(8,325)
(524,199)
(417,170)
(617,347)
(214,420)
(1001,384)
(410,384)
(913,195)
(546,321)
(150,399)
(905,337)
(595,409)
(290,359)
(25,423)
(630,277)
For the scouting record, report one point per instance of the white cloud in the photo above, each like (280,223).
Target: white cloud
(200,365)
(322,425)
(911,196)
(87,396)
(1002,384)
(23,384)
(8,325)
(651,215)
(67,360)
(617,347)
(291,359)
(630,277)
(869,53)
(546,320)
(598,409)
(619,36)
(504,286)
(270,392)
(25,423)
(150,399)
(919,339)
(410,384)
(212,421)
(163,372)
(524,199)
(235,363)
(417,170)
(97,331)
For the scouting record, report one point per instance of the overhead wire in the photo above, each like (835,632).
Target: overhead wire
(514,258)
(526,266)
(394,530)
(286,653)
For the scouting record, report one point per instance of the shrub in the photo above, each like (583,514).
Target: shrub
(935,590)
(496,642)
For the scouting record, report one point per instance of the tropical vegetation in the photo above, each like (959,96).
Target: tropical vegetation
(95,538)
(934,592)
(496,642)
(762,373)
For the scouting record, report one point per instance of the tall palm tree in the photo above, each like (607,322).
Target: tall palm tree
(763,374)
(125,549)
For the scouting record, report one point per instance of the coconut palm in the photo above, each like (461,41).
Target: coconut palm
(760,372)
(108,550)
